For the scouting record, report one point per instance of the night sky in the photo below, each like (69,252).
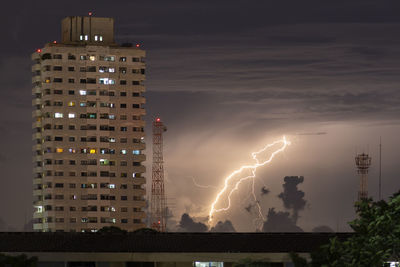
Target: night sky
(227,77)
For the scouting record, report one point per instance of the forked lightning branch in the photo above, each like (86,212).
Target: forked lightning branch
(234,180)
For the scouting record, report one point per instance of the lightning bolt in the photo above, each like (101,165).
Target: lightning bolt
(252,169)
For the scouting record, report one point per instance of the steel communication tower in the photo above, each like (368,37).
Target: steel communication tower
(363,161)
(158,205)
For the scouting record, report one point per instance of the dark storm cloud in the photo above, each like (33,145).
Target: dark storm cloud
(264,191)
(280,222)
(187,224)
(223,227)
(293,199)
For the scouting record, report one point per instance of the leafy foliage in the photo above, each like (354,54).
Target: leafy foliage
(376,239)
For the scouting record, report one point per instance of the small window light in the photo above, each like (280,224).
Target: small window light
(58,115)
(92,151)
(71,150)
(123,151)
(71,115)
(82,92)
(133,175)
(112,186)
(96,37)
(92,58)
(101,38)
(59,150)
(136,152)
(86,37)
(71,104)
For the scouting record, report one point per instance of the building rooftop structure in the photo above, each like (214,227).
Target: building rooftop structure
(162,249)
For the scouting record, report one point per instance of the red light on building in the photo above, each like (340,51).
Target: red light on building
(158,120)
(90,13)
(137,45)
(39,50)
(54,42)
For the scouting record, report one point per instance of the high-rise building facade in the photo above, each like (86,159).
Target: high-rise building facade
(88,130)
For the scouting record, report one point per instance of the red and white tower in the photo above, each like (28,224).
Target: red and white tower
(158,206)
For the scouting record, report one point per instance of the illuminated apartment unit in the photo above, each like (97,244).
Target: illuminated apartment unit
(88,130)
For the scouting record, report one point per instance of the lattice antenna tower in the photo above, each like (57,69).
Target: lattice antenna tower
(158,214)
(363,162)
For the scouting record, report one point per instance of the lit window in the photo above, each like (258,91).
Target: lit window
(112,140)
(58,115)
(71,115)
(111,117)
(101,38)
(92,58)
(133,175)
(59,150)
(123,151)
(82,104)
(106,81)
(96,38)
(112,186)
(71,150)
(81,37)
(92,151)
(104,162)
(136,152)
(71,104)
(86,37)
(82,92)
(111,70)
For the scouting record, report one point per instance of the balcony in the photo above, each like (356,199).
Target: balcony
(36,67)
(36,79)
(138,203)
(139,192)
(139,215)
(139,180)
(139,169)
(139,158)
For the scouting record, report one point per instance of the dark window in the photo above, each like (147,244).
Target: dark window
(123,106)
(71,92)
(57,68)
(122,94)
(71,68)
(135,83)
(122,82)
(135,105)
(71,80)
(57,80)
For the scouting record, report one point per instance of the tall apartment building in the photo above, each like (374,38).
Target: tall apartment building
(88,130)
